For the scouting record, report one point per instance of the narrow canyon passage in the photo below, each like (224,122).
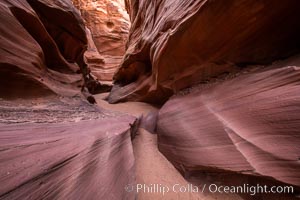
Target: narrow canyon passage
(149,100)
(63,160)
(151,167)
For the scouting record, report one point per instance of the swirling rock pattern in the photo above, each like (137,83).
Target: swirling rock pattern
(42,47)
(173,44)
(249,125)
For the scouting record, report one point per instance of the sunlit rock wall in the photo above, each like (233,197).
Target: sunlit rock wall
(108,22)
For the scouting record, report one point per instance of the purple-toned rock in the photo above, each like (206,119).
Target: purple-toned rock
(42,47)
(249,125)
(89,159)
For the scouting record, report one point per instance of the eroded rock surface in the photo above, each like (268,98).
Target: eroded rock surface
(55,147)
(64,148)
(238,127)
(248,125)
(108,22)
(173,44)
(42,47)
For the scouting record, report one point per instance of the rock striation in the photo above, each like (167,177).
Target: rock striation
(42,47)
(108,23)
(228,75)
(54,144)
(248,125)
(63,148)
(67,160)
(173,44)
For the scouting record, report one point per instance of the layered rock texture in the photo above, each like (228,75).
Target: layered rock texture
(42,47)
(227,74)
(173,44)
(108,23)
(63,148)
(54,144)
(248,124)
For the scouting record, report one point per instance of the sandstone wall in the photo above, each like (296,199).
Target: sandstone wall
(108,22)
(173,44)
(42,47)
(248,124)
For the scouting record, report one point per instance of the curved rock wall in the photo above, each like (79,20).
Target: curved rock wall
(108,22)
(173,44)
(248,125)
(42,47)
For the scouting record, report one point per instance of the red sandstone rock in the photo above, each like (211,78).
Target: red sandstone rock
(173,44)
(63,148)
(248,125)
(79,160)
(42,46)
(109,24)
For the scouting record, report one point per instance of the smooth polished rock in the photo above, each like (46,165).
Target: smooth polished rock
(174,44)
(42,47)
(248,124)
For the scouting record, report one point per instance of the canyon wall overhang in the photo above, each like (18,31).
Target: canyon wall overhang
(175,43)
(42,47)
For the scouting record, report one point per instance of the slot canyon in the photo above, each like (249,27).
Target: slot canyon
(149,100)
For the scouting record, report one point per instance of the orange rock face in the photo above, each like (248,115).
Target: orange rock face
(42,47)
(108,22)
(173,44)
